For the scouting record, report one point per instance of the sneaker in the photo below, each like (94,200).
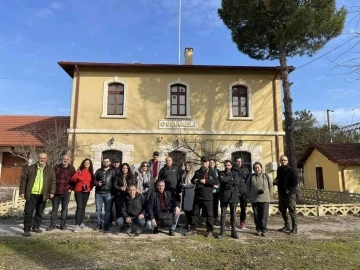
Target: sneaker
(36,230)
(284,229)
(77,228)
(51,227)
(63,227)
(263,234)
(82,226)
(258,233)
(98,227)
(234,235)
(190,232)
(242,225)
(221,236)
(171,232)
(293,231)
(26,233)
(209,235)
(155,230)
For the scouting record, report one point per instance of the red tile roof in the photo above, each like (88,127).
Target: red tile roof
(341,153)
(12,128)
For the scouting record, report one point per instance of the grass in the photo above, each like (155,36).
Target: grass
(98,251)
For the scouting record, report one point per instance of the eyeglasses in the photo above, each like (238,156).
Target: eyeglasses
(144,166)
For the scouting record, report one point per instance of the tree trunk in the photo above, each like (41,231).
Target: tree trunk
(289,128)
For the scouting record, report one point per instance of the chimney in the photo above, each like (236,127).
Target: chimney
(188,56)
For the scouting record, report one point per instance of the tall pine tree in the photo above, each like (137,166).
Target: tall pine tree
(279,29)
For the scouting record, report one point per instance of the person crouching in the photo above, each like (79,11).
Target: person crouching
(132,212)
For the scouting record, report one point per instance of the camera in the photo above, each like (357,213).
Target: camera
(260,191)
(85,187)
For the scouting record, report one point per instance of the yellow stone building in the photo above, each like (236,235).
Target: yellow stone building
(131,110)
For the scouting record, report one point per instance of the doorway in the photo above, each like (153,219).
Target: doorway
(319,178)
(111,154)
(245,157)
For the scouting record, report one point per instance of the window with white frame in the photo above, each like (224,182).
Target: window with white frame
(178,100)
(240,107)
(114,99)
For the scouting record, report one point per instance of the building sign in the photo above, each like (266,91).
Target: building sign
(177,124)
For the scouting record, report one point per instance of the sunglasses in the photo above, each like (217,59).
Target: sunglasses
(144,166)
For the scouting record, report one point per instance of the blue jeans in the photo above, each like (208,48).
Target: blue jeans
(101,199)
(173,227)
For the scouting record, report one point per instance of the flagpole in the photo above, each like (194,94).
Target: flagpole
(179,30)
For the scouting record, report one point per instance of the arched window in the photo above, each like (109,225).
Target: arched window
(178,100)
(239,101)
(114,99)
(115,105)
(112,154)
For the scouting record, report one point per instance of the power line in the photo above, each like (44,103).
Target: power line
(317,58)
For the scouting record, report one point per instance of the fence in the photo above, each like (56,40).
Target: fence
(316,196)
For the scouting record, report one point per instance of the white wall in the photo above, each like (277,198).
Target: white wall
(1,157)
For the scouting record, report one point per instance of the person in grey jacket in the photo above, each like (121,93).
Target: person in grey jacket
(144,180)
(259,192)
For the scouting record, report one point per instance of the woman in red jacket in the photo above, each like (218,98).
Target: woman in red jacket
(83,180)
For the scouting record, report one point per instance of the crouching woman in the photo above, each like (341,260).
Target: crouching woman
(259,191)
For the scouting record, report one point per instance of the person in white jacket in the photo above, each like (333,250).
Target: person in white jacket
(145,181)
(187,192)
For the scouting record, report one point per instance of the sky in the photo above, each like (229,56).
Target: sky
(35,35)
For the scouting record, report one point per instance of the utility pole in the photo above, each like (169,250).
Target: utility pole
(179,45)
(329,123)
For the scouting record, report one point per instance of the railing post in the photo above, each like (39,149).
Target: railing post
(340,198)
(316,196)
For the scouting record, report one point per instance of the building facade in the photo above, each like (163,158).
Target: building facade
(131,110)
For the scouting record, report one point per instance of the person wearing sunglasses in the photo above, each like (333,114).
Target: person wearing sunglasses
(287,182)
(144,179)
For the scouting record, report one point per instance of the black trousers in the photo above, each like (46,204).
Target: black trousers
(216,204)
(224,206)
(118,200)
(207,209)
(58,199)
(37,204)
(261,215)
(288,202)
(188,215)
(243,205)
(81,199)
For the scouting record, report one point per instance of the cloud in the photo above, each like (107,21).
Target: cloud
(48,11)
(340,93)
(341,116)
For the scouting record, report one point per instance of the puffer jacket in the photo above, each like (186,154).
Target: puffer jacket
(107,177)
(230,186)
(204,191)
(132,207)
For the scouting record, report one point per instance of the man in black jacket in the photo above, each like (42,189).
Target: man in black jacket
(287,182)
(230,188)
(162,209)
(103,180)
(205,179)
(243,173)
(169,174)
(132,212)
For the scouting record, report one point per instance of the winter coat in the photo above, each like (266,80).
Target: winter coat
(230,187)
(257,182)
(160,165)
(171,178)
(154,204)
(121,181)
(132,207)
(107,178)
(204,191)
(143,181)
(28,178)
(83,178)
(63,176)
(287,180)
(188,191)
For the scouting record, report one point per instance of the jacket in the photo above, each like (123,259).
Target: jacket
(120,181)
(107,178)
(287,180)
(230,187)
(243,172)
(143,181)
(171,178)
(160,165)
(28,178)
(204,191)
(63,176)
(82,178)
(154,207)
(132,207)
(259,182)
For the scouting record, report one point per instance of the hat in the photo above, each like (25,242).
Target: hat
(156,153)
(116,160)
(204,159)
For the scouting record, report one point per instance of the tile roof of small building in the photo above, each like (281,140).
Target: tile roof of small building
(341,153)
(15,129)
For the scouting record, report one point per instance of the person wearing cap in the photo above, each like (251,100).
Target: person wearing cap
(155,165)
(204,179)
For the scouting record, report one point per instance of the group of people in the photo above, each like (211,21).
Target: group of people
(154,194)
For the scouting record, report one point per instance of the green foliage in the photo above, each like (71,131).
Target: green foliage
(262,28)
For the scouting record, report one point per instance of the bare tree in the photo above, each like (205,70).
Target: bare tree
(53,141)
